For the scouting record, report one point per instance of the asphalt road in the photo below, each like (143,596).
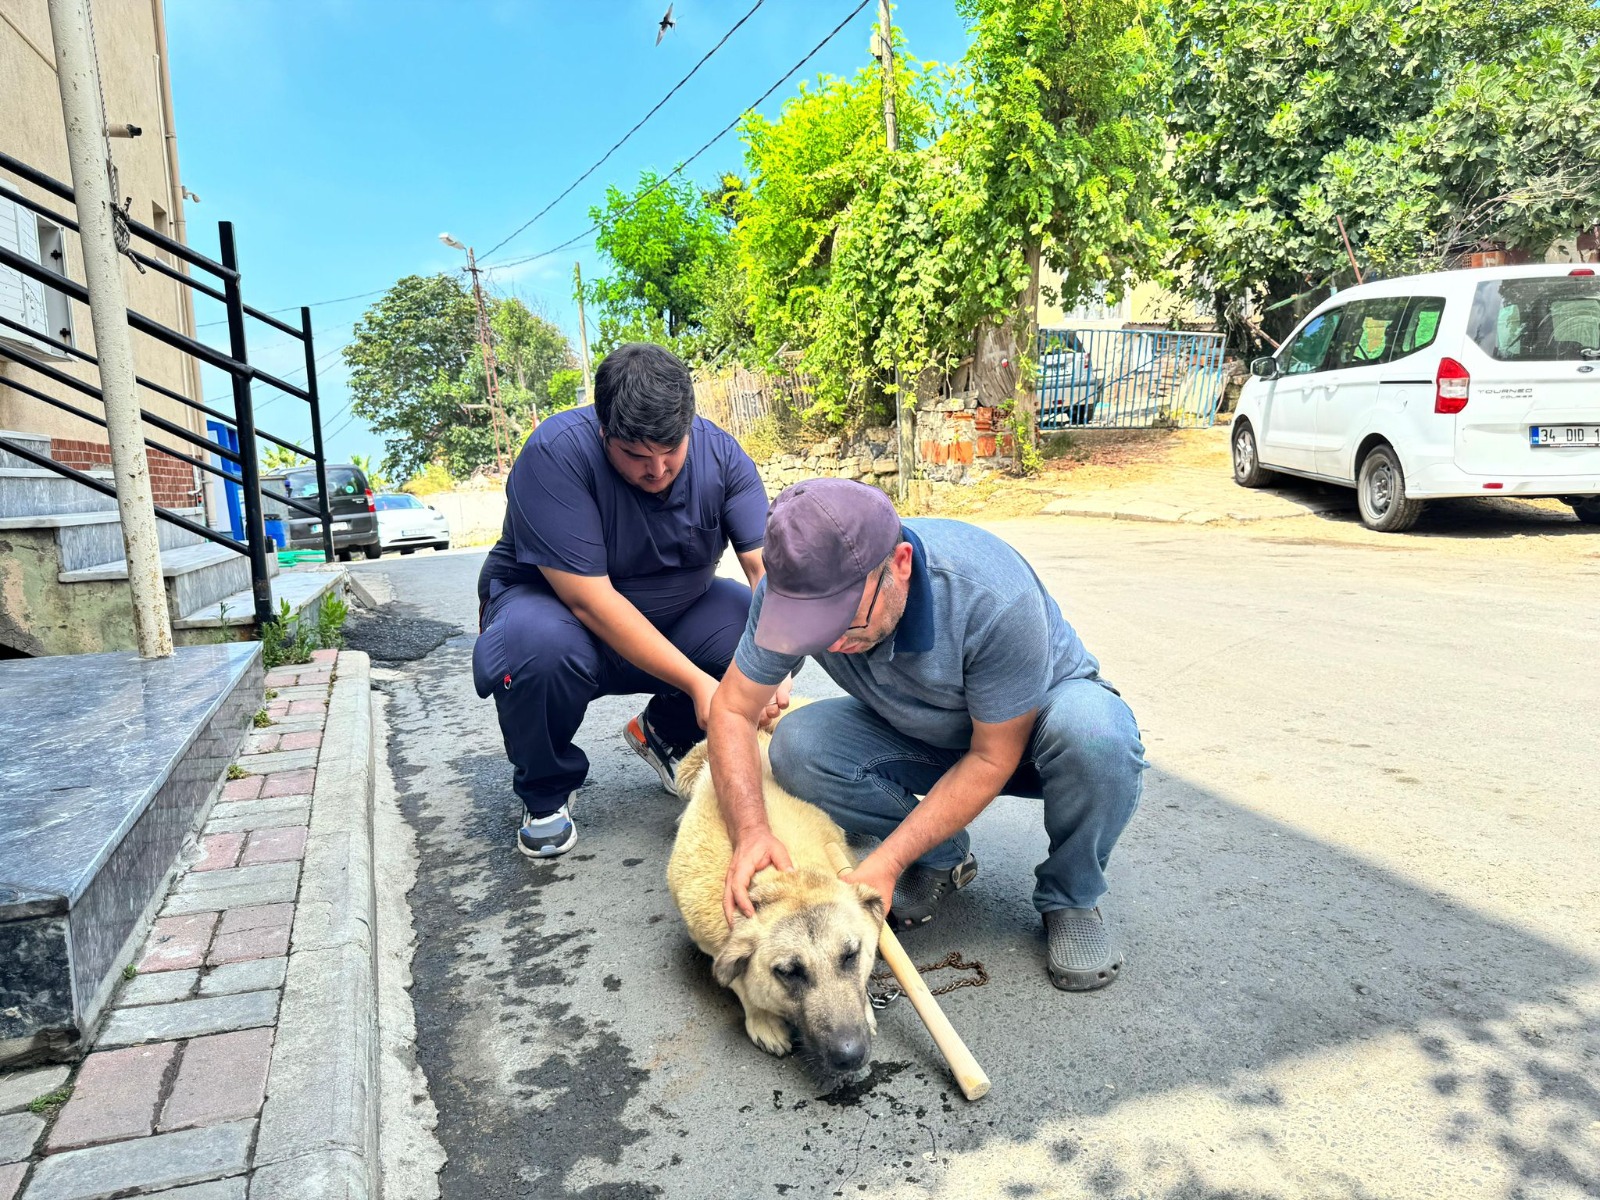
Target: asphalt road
(1359,904)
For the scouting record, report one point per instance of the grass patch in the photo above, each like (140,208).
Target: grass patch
(50,1101)
(261,720)
(235,771)
(129,971)
(290,641)
(272,693)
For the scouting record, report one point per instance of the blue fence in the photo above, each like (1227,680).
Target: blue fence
(1128,378)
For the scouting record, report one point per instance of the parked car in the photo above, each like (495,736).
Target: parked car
(406,523)
(1461,383)
(350,503)
(1067,382)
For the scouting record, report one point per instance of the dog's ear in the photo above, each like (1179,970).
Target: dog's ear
(734,957)
(765,890)
(871,901)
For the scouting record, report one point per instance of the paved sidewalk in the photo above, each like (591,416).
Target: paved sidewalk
(236,1059)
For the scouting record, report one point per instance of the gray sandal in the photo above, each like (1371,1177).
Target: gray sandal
(920,889)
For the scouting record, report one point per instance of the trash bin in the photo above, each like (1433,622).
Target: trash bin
(278,532)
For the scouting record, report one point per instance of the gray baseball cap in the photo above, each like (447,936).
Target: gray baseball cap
(824,538)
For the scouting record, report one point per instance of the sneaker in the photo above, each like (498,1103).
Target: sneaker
(1082,956)
(643,740)
(550,835)
(920,890)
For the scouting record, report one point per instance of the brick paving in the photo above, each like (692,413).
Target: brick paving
(170,1094)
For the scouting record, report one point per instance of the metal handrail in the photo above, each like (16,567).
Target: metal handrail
(246,472)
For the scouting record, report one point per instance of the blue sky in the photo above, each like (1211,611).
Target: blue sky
(342,136)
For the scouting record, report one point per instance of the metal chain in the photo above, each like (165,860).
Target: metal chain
(121,234)
(889,991)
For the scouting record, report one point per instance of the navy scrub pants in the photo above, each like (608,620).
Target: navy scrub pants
(543,667)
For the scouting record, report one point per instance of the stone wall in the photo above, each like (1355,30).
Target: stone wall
(958,439)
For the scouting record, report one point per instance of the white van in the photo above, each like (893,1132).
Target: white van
(1462,383)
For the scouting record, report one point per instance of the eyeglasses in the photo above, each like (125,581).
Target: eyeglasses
(877,587)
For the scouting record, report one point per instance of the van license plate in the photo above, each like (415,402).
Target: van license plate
(341,526)
(1572,437)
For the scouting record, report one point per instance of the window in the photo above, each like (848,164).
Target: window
(24,299)
(1310,347)
(1365,335)
(1421,325)
(342,481)
(1551,318)
(389,503)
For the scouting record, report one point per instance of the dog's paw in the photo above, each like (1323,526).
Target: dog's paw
(769,1032)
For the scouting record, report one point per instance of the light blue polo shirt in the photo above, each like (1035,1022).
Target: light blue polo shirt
(981,639)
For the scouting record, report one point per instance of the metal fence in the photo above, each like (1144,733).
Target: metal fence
(1128,378)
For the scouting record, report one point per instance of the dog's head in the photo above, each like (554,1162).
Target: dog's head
(806,955)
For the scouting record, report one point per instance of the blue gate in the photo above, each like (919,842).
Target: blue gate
(1128,378)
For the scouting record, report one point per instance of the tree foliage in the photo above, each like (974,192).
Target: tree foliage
(417,377)
(1424,125)
(1045,140)
(666,244)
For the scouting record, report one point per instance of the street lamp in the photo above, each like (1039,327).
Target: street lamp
(491,373)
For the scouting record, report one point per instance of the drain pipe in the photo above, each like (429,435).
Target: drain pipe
(83,109)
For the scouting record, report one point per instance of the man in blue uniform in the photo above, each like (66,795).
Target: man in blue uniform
(963,681)
(603,581)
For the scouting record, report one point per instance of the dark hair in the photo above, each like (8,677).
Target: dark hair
(643,393)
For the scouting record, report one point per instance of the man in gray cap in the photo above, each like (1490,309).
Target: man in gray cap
(963,682)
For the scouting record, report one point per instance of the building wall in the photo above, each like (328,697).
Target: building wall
(31,129)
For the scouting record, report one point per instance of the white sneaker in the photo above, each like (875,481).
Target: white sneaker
(548,836)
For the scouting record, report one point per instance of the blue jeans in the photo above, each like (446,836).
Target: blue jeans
(1084,760)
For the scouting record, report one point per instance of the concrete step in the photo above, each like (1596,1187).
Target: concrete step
(30,491)
(111,761)
(195,576)
(98,539)
(302,587)
(37,442)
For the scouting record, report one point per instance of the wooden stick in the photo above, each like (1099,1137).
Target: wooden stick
(969,1075)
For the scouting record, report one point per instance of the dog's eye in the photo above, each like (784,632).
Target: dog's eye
(848,958)
(789,972)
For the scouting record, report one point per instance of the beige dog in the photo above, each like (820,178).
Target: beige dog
(802,962)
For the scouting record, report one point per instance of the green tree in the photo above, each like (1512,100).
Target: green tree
(562,390)
(374,470)
(416,373)
(276,458)
(664,242)
(1288,116)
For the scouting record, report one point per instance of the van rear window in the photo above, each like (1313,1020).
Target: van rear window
(1547,319)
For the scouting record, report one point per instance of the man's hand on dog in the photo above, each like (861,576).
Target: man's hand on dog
(776,705)
(754,851)
(878,873)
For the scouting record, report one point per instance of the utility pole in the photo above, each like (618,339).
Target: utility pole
(491,368)
(905,414)
(89,151)
(583,334)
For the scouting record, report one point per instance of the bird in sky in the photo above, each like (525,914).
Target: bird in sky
(666,23)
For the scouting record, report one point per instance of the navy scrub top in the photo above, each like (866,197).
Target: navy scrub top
(568,509)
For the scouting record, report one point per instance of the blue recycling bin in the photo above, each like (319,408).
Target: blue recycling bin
(278,531)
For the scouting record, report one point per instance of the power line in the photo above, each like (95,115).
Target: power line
(601,160)
(726,129)
(298,307)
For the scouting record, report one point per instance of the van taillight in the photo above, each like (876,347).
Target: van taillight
(1452,385)
(1582,271)
(372,505)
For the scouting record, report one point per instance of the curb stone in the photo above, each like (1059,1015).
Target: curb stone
(318,1134)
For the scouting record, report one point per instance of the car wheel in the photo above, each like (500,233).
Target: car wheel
(1381,493)
(1588,511)
(442,546)
(409,550)
(1247,469)
(344,554)
(373,549)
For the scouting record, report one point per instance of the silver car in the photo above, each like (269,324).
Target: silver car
(406,523)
